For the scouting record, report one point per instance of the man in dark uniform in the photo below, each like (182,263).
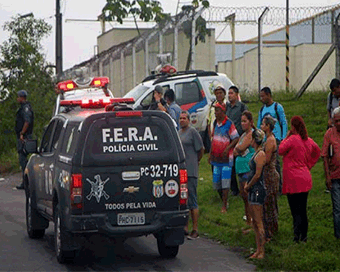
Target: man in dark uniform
(158,103)
(23,129)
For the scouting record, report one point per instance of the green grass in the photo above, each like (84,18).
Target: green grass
(321,251)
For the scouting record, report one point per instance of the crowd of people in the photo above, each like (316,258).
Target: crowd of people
(245,160)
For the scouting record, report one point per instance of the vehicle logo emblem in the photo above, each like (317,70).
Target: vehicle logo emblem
(131,189)
(171,188)
(97,188)
(193,118)
(158,189)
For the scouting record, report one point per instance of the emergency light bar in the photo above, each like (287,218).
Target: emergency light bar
(69,85)
(100,81)
(66,85)
(95,103)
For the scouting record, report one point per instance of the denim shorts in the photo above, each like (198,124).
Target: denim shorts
(257,194)
(192,191)
(221,177)
(243,177)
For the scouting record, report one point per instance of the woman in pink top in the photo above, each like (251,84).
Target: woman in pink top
(300,153)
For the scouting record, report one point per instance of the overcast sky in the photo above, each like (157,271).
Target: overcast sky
(79,38)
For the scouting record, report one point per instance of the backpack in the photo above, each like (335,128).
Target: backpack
(277,115)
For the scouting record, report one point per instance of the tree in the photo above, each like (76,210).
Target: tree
(147,10)
(23,66)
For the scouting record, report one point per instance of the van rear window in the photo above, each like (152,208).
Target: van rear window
(118,138)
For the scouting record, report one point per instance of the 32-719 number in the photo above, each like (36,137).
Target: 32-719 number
(157,171)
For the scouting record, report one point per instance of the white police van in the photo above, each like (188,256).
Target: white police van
(194,92)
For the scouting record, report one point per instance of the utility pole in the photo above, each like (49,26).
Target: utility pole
(287,45)
(58,41)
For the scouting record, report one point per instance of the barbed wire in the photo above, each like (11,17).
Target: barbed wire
(275,17)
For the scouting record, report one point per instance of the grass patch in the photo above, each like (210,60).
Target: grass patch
(320,253)
(9,161)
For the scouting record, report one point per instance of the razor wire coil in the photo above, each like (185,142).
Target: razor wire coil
(275,17)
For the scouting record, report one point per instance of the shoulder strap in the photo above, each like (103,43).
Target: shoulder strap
(330,100)
(261,112)
(278,118)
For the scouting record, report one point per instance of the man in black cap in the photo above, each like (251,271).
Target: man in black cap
(158,103)
(23,129)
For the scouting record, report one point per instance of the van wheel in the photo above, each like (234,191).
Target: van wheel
(167,251)
(32,215)
(60,238)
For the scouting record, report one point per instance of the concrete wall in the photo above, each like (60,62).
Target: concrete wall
(303,60)
(116,36)
(205,58)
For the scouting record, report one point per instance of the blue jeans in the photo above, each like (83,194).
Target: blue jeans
(335,193)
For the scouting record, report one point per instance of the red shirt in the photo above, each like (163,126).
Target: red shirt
(332,137)
(298,158)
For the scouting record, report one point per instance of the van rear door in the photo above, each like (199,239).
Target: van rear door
(131,166)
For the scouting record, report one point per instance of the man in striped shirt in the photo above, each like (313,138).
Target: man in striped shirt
(224,139)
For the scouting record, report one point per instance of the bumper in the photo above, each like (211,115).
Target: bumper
(100,223)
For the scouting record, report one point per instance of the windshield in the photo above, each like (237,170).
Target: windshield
(137,92)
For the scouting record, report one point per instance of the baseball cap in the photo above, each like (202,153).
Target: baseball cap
(219,86)
(22,93)
(221,106)
(158,89)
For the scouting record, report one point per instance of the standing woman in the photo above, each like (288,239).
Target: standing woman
(257,192)
(243,153)
(271,179)
(300,153)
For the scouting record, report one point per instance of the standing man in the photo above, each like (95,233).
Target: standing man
(220,94)
(235,108)
(174,110)
(224,139)
(158,103)
(276,111)
(23,129)
(333,99)
(193,148)
(331,159)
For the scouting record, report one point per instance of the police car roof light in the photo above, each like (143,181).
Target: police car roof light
(95,103)
(67,85)
(129,114)
(100,81)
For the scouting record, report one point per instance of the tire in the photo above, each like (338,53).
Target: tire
(32,216)
(166,251)
(60,238)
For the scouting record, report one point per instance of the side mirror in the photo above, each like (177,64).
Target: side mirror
(31,146)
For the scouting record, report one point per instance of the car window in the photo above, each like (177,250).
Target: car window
(137,92)
(147,100)
(46,140)
(187,92)
(70,139)
(57,133)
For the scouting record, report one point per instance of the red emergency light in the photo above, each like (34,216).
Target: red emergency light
(99,81)
(168,69)
(66,85)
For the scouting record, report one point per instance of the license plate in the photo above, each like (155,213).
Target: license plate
(125,219)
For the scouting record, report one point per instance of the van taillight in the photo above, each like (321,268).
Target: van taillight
(77,191)
(183,180)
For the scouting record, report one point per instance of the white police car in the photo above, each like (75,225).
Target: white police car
(194,92)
